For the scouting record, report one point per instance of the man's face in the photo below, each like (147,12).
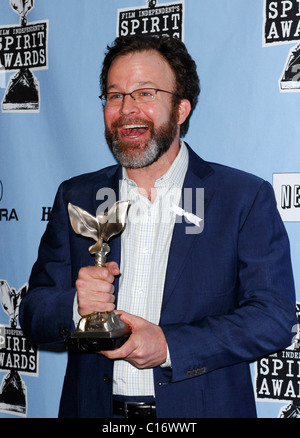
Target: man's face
(139,133)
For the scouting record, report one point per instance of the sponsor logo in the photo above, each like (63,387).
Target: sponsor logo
(23,48)
(282,26)
(287,192)
(7,214)
(157,20)
(17,355)
(277,376)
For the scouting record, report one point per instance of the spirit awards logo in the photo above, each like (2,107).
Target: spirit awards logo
(282,26)
(23,49)
(158,20)
(277,376)
(17,355)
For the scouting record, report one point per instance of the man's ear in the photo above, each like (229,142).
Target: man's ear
(184,110)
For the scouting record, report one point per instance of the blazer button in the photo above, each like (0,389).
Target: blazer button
(106,378)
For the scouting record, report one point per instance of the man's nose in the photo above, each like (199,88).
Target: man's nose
(129,105)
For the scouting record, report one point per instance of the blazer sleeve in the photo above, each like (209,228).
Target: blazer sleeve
(47,308)
(265,311)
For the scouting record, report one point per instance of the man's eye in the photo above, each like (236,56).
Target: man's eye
(115,96)
(145,93)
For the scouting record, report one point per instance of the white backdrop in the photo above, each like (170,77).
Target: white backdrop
(244,119)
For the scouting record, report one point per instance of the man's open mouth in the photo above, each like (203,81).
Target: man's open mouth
(133,131)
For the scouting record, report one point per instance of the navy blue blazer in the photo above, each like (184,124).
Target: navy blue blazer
(228,299)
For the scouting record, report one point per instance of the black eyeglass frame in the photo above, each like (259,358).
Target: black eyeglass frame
(103,96)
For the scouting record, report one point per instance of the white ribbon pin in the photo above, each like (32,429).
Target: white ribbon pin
(190,216)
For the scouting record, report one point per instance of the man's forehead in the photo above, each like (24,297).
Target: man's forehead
(149,62)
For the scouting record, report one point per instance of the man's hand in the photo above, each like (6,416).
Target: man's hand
(146,346)
(95,291)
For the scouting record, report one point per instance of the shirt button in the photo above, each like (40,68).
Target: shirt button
(145,250)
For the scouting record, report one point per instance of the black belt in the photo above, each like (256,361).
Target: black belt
(134,409)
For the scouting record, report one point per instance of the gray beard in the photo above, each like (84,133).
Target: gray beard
(137,160)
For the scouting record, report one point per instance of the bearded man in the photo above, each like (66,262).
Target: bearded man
(202,302)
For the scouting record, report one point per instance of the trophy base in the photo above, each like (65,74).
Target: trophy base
(92,345)
(91,342)
(97,332)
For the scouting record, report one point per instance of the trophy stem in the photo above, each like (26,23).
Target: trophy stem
(100,256)
(102,319)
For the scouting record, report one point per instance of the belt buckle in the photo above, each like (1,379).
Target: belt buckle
(129,404)
(126,406)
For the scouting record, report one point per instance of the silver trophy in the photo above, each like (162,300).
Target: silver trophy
(99,330)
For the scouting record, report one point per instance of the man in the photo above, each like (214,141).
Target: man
(202,302)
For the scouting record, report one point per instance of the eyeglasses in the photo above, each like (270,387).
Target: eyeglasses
(142,95)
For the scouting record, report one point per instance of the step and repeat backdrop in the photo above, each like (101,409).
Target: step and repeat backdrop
(51,128)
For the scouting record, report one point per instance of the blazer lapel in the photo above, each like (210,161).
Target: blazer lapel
(197,176)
